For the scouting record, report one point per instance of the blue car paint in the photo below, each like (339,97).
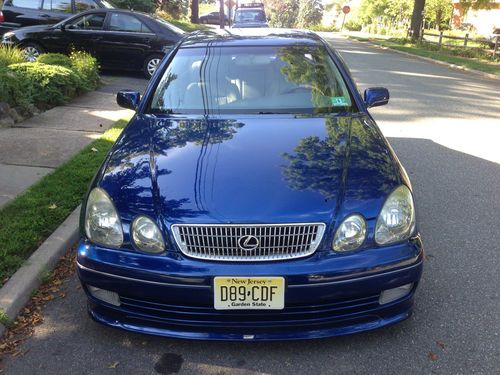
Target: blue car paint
(224,169)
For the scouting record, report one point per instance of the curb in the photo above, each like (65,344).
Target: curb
(428,59)
(17,291)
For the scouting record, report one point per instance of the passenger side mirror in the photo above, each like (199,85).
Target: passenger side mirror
(376,96)
(128,99)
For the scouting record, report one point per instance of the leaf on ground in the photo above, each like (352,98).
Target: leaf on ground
(53,206)
(31,314)
(432,356)
(441,344)
(114,364)
(94,149)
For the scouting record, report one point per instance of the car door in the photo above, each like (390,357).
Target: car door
(54,11)
(214,17)
(125,43)
(78,33)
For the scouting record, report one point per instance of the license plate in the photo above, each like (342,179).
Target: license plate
(249,293)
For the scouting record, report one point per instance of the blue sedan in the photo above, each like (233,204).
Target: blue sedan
(251,197)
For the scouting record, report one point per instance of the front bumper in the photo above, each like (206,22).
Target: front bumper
(325,295)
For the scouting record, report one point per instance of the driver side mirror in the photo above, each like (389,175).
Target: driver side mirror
(376,96)
(128,99)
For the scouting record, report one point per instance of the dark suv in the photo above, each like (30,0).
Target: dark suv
(20,13)
(249,15)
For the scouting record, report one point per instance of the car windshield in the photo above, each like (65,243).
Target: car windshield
(249,15)
(252,80)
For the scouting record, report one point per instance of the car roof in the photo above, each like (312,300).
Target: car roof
(251,37)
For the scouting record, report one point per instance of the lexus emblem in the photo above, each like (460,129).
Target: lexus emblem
(248,243)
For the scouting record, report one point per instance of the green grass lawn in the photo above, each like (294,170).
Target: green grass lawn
(421,50)
(187,26)
(31,217)
(180,23)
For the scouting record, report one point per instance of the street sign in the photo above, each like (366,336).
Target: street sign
(346,9)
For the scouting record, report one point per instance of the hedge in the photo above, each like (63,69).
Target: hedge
(15,89)
(52,84)
(55,59)
(51,81)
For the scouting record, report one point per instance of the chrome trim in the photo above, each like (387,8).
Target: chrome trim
(141,280)
(220,241)
(378,273)
(320,284)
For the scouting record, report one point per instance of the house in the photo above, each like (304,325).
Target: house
(483,21)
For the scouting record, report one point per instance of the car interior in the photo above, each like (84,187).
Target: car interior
(249,82)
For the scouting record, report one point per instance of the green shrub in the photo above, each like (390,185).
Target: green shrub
(52,85)
(10,55)
(353,25)
(15,89)
(86,67)
(55,59)
(321,27)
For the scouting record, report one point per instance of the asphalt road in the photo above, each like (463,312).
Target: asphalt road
(445,127)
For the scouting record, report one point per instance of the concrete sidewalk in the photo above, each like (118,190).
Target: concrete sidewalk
(37,146)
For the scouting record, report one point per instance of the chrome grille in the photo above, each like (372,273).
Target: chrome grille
(274,241)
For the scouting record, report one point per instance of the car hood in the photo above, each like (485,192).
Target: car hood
(34,29)
(249,169)
(247,25)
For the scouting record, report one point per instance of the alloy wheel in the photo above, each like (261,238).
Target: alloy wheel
(31,53)
(153,65)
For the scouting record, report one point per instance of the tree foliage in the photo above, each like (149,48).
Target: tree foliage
(396,14)
(477,4)
(283,13)
(175,8)
(139,5)
(310,13)
(294,13)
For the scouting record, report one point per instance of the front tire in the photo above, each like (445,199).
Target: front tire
(151,64)
(31,51)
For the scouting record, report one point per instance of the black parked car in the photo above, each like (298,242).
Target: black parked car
(21,13)
(212,18)
(119,39)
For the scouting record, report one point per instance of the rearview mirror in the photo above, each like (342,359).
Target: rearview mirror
(376,96)
(128,99)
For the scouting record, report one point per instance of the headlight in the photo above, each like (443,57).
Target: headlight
(396,221)
(147,236)
(7,38)
(102,224)
(350,234)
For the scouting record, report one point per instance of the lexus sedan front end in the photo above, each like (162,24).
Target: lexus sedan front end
(251,197)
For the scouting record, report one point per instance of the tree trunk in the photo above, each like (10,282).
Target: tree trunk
(416,18)
(222,22)
(195,7)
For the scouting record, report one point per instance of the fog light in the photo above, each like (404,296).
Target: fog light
(104,295)
(393,294)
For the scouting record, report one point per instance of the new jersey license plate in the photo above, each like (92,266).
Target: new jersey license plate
(245,293)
